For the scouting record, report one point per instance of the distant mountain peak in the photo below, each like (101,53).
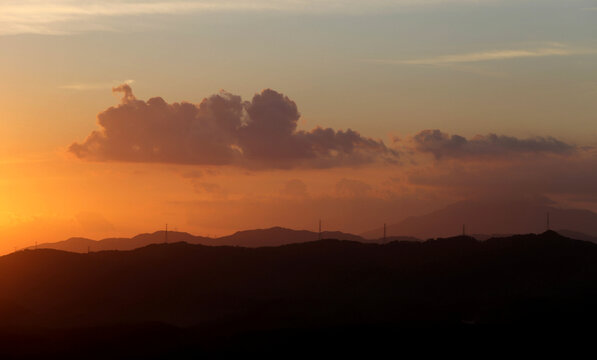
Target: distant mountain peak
(273,236)
(492,217)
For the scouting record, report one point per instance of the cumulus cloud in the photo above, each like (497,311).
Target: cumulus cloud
(498,166)
(570,177)
(443,145)
(223,130)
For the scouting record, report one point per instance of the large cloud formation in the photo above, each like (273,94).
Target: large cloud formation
(573,177)
(223,130)
(498,166)
(443,145)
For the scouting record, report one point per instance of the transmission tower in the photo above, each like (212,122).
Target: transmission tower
(319,234)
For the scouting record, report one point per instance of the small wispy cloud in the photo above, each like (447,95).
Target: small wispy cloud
(494,55)
(51,17)
(95,86)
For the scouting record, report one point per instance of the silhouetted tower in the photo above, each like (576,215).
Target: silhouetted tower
(319,234)
(384,232)
(547,224)
(166,235)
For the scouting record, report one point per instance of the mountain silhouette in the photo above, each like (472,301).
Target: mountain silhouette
(277,236)
(167,297)
(578,235)
(274,236)
(493,217)
(187,285)
(82,245)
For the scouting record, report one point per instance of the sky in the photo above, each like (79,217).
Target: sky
(117,117)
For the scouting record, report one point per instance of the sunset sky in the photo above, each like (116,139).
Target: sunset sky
(119,116)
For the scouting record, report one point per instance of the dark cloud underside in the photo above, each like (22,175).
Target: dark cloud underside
(443,145)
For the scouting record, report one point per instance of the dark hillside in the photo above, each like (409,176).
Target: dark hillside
(534,281)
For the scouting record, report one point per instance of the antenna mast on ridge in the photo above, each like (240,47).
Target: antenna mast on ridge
(319,234)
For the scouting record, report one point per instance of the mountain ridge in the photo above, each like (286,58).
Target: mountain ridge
(493,217)
(326,282)
(274,236)
(482,219)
